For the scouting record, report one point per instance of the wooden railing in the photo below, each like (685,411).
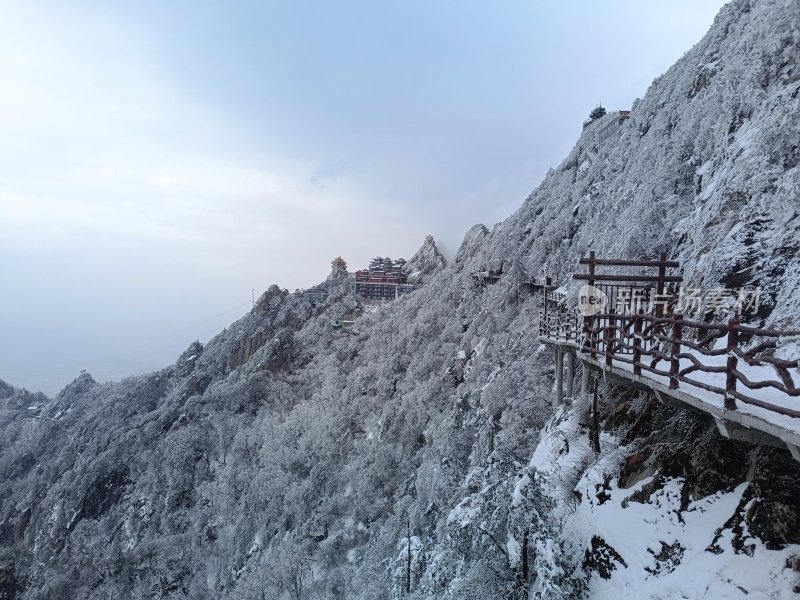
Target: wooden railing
(658,345)
(562,325)
(491,277)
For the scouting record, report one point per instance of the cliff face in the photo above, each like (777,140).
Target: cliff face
(417,454)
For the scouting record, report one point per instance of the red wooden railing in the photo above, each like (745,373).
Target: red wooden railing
(657,344)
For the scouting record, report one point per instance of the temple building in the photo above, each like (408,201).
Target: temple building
(384,280)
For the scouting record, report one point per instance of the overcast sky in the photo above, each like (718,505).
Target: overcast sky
(159,160)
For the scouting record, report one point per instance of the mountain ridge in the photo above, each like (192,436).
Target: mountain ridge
(419,450)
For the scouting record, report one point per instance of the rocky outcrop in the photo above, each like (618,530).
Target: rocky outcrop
(425,263)
(103,493)
(82,387)
(187,361)
(6,390)
(247,347)
(279,352)
(275,357)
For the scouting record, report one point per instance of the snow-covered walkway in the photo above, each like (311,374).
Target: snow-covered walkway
(760,418)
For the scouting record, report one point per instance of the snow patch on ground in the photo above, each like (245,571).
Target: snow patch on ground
(663,552)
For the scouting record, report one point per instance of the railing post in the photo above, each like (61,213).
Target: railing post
(575,327)
(587,337)
(674,367)
(544,296)
(587,321)
(730,367)
(609,337)
(662,273)
(637,343)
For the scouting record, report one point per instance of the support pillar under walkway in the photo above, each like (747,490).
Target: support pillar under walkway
(584,377)
(570,372)
(559,400)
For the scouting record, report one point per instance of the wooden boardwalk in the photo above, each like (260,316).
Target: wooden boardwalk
(732,371)
(492,277)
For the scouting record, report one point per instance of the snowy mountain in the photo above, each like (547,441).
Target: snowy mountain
(425,262)
(417,454)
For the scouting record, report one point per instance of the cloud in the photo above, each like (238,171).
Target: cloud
(98,142)
(333,171)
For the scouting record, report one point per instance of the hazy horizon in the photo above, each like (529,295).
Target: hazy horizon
(160,162)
